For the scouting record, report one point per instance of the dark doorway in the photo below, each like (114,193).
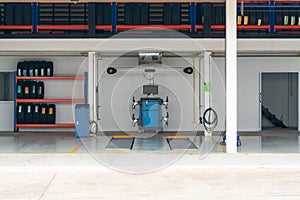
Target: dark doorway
(279,101)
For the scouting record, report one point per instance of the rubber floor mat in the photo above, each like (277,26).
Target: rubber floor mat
(180,143)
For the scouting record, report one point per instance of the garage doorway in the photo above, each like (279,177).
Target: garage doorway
(279,94)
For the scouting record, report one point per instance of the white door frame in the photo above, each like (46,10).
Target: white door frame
(259,100)
(298,101)
(260,95)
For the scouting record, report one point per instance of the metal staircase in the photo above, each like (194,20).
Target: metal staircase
(272,118)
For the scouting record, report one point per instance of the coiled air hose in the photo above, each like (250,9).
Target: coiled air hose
(93,127)
(210,119)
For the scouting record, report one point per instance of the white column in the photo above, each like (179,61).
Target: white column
(91,84)
(231,77)
(207,75)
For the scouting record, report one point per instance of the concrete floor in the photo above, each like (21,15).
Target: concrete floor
(58,166)
(65,142)
(264,184)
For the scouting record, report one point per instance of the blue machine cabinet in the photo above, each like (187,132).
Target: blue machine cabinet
(150,114)
(82,116)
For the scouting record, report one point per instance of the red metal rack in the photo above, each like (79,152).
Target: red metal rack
(45,125)
(50,100)
(104,27)
(286,1)
(15,27)
(50,78)
(286,28)
(61,27)
(254,1)
(254,27)
(242,27)
(175,27)
(198,27)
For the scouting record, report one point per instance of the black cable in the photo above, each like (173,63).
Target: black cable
(210,123)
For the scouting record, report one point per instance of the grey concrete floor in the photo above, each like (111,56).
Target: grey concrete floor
(264,184)
(58,166)
(65,142)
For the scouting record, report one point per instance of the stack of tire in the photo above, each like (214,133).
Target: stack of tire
(34,113)
(30,90)
(17,14)
(35,68)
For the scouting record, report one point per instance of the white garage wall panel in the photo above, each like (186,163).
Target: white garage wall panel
(248,69)
(117,90)
(248,84)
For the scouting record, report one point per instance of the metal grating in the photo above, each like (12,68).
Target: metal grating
(63,14)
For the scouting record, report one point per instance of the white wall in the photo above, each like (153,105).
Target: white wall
(248,87)
(117,90)
(116,93)
(63,65)
(248,84)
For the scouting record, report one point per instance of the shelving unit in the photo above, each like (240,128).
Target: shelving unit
(282,8)
(204,19)
(62,78)
(218,24)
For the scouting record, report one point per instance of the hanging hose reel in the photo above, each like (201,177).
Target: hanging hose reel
(209,119)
